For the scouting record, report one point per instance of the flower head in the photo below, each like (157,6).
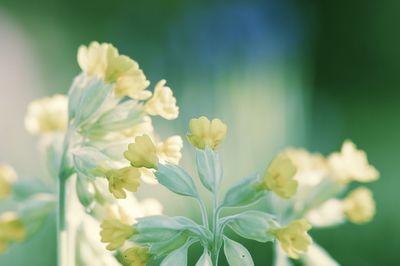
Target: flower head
(293,238)
(133,85)
(170,149)
(137,256)
(92,59)
(125,178)
(205,133)
(163,103)
(115,233)
(351,164)
(47,115)
(142,153)
(359,206)
(7,177)
(11,229)
(279,177)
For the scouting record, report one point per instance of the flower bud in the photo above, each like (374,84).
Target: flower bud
(205,133)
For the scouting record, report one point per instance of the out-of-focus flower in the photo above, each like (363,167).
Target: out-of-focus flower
(92,59)
(125,178)
(294,238)
(351,164)
(143,128)
(11,229)
(137,256)
(7,177)
(205,133)
(47,115)
(170,149)
(115,233)
(359,206)
(133,85)
(163,103)
(279,177)
(142,153)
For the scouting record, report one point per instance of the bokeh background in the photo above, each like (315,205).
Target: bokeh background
(279,72)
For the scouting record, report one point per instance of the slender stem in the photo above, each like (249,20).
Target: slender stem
(204,216)
(216,233)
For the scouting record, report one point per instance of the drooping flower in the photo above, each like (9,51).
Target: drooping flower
(279,177)
(133,85)
(11,229)
(115,233)
(170,149)
(205,133)
(119,180)
(92,59)
(359,206)
(137,256)
(163,103)
(47,115)
(7,177)
(351,164)
(294,238)
(142,153)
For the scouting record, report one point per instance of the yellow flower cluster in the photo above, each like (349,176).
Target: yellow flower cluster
(279,177)
(359,206)
(11,229)
(7,177)
(137,256)
(47,115)
(115,233)
(294,238)
(205,133)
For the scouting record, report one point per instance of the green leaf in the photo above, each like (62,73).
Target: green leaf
(252,225)
(167,245)
(177,257)
(205,259)
(244,192)
(237,254)
(176,179)
(209,168)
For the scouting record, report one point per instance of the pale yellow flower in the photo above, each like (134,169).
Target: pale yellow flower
(11,229)
(163,103)
(93,59)
(7,178)
(359,206)
(47,115)
(119,180)
(351,164)
(137,256)
(118,65)
(279,177)
(133,85)
(170,149)
(142,153)
(115,233)
(205,133)
(294,238)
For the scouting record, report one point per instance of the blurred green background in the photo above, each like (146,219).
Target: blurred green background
(279,72)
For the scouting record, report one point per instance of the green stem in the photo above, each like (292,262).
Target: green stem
(216,231)
(203,209)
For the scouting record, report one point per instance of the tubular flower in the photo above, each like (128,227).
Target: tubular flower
(205,133)
(47,115)
(163,103)
(170,149)
(105,62)
(125,178)
(351,164)
(7,177)
(293,238)
(137,256)
(142,153)
(115,233)
(359,206)
(11,229)
(279,177)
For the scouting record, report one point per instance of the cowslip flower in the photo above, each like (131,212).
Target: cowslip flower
(279,177)
(7,177)
(351,164)
(294,238)
(92,58)
(170,149)
(119,180)
(163,103)
(133,85)
(205,133)
(142,153)
(115,233)
(359,206)
(47,115)
(137,256)
(11,229)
